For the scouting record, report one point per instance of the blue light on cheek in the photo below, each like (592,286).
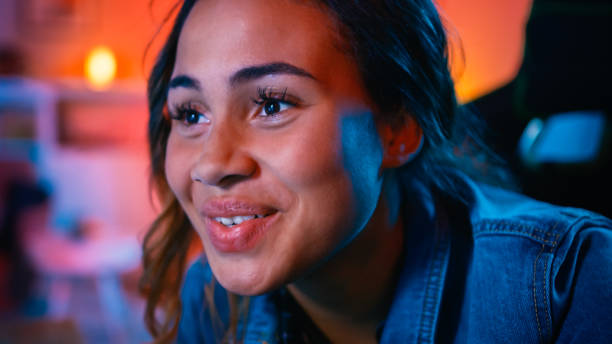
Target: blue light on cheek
(362,157)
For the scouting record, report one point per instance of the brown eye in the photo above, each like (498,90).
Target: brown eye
(188,116)
(271,107)
(193,117)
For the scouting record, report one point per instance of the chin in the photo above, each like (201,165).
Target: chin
(246,282)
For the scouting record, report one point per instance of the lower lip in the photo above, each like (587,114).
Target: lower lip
(238,238)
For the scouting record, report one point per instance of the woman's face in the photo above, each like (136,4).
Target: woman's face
(273,153)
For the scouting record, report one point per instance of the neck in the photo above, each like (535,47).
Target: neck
(350,295)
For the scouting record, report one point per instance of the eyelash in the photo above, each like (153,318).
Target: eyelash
(182,111)
(268,95)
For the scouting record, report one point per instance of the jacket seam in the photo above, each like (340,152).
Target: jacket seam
(535,301)
(528,234)
(493,227)
(547,294)
(507,225)
(432,289)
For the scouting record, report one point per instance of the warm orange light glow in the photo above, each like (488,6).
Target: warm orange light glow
(100,67)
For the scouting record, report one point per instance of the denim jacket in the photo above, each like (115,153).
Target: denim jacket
(502,268)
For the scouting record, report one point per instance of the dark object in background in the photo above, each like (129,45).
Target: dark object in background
(11,61)
(41,331)
(566,68)
(18,274)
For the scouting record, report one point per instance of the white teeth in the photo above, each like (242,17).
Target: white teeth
(226,221)
(236,220)
(239,219)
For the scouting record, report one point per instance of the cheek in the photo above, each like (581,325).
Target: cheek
(332,166)
(307,158)
(362,155)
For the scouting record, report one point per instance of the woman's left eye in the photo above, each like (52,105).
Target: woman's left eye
(271,107)
(272,102)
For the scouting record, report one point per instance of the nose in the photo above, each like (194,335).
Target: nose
(224,159)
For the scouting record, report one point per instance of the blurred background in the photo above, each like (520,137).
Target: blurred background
(74,194)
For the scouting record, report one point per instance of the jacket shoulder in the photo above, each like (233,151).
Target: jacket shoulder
(538,261)
(496,211)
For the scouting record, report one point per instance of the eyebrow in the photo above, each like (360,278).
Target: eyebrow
(244,75)
(256,72)
(184,81)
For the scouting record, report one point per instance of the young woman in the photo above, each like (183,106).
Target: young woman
(317,150)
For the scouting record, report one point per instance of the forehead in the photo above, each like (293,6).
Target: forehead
(220,36)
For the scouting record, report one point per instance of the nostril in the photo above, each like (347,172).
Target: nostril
(195,177)
(225,173)
(232,179)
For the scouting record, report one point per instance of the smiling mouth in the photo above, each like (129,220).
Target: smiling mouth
(239,231)
(235,213)
(236,220)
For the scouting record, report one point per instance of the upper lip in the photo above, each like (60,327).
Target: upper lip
(229,207)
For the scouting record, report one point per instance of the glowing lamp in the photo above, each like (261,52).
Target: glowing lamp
(100,67)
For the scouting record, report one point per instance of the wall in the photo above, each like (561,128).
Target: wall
(56,44)
(492,34)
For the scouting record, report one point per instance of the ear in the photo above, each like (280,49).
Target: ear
(401,142)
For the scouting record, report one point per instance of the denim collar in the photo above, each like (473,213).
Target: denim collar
(413,315)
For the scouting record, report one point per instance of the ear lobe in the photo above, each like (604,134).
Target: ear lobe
(402,143)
